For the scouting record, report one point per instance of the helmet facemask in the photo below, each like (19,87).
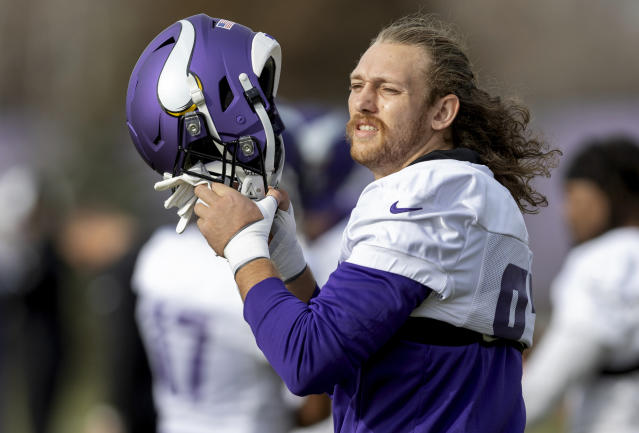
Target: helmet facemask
(222,159)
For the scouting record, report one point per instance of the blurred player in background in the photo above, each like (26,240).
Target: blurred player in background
(209,375)
(327,182)
(31,337)
(99,243)
(590,350)
(211,83)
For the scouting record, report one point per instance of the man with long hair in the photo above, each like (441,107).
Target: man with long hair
(421,326)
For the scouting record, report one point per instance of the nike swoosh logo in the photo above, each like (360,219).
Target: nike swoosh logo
(394,209)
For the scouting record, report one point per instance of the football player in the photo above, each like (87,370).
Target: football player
(200,108)
(421,326)
(591,346)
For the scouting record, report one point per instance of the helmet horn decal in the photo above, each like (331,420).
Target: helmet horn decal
(176,99)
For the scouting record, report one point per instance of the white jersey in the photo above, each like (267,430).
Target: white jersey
(209,375)
(451,226)
(594,327)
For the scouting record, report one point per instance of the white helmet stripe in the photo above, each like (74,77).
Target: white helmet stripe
(173,96)
(262,48)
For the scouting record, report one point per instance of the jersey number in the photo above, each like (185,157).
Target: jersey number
(510,314)
(191,328)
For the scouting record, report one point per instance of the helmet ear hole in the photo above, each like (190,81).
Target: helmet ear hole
(169,41)
(226,94)
(267,78)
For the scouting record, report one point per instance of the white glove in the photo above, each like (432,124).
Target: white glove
(183,198)
(251,242)
(286,252)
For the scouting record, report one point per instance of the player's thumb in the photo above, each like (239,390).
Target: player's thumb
(268,207)
(281,196)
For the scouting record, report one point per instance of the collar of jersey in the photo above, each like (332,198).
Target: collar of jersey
(459,154)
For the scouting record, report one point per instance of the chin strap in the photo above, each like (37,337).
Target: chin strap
(197,96)
(269,159)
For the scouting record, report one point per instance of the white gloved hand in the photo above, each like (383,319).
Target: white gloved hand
(183,198)
(251,242)
(286,251)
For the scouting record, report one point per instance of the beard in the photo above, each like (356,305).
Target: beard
(388,150)
(368,152)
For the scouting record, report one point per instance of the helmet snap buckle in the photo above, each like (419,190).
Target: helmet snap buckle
(253,97)
(246,145)
(192,122)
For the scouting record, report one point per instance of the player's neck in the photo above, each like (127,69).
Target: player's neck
(435,142)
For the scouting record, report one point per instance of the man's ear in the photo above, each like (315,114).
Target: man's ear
(446,109)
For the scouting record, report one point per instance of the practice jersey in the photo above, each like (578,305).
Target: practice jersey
(591,345)
(352,340)
(448,224)
(209,375)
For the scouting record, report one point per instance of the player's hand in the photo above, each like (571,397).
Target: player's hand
(281,196)
(183,197)
(233,225)
(284,248)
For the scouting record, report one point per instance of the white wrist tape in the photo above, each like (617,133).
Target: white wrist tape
(251,242)
(286,251)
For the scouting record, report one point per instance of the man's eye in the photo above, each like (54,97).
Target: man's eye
(355,86)
(390,90)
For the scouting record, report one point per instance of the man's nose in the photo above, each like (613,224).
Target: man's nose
(365,101)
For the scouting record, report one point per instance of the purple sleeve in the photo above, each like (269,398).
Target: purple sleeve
(315,346)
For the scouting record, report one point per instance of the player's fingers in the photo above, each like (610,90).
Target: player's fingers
(206,194)
(281,196)
(200,209)
(221,189)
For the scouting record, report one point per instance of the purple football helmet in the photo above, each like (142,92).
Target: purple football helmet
(204,90)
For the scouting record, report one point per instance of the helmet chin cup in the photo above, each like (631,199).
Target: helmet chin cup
(253,187)
(250,185)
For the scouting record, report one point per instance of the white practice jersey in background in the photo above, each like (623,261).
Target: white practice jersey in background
(322,254)
(594,327)
(451,226)
(209,375)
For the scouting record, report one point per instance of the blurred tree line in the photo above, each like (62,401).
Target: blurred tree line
(66,63)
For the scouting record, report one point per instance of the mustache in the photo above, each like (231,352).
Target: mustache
(360,118)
